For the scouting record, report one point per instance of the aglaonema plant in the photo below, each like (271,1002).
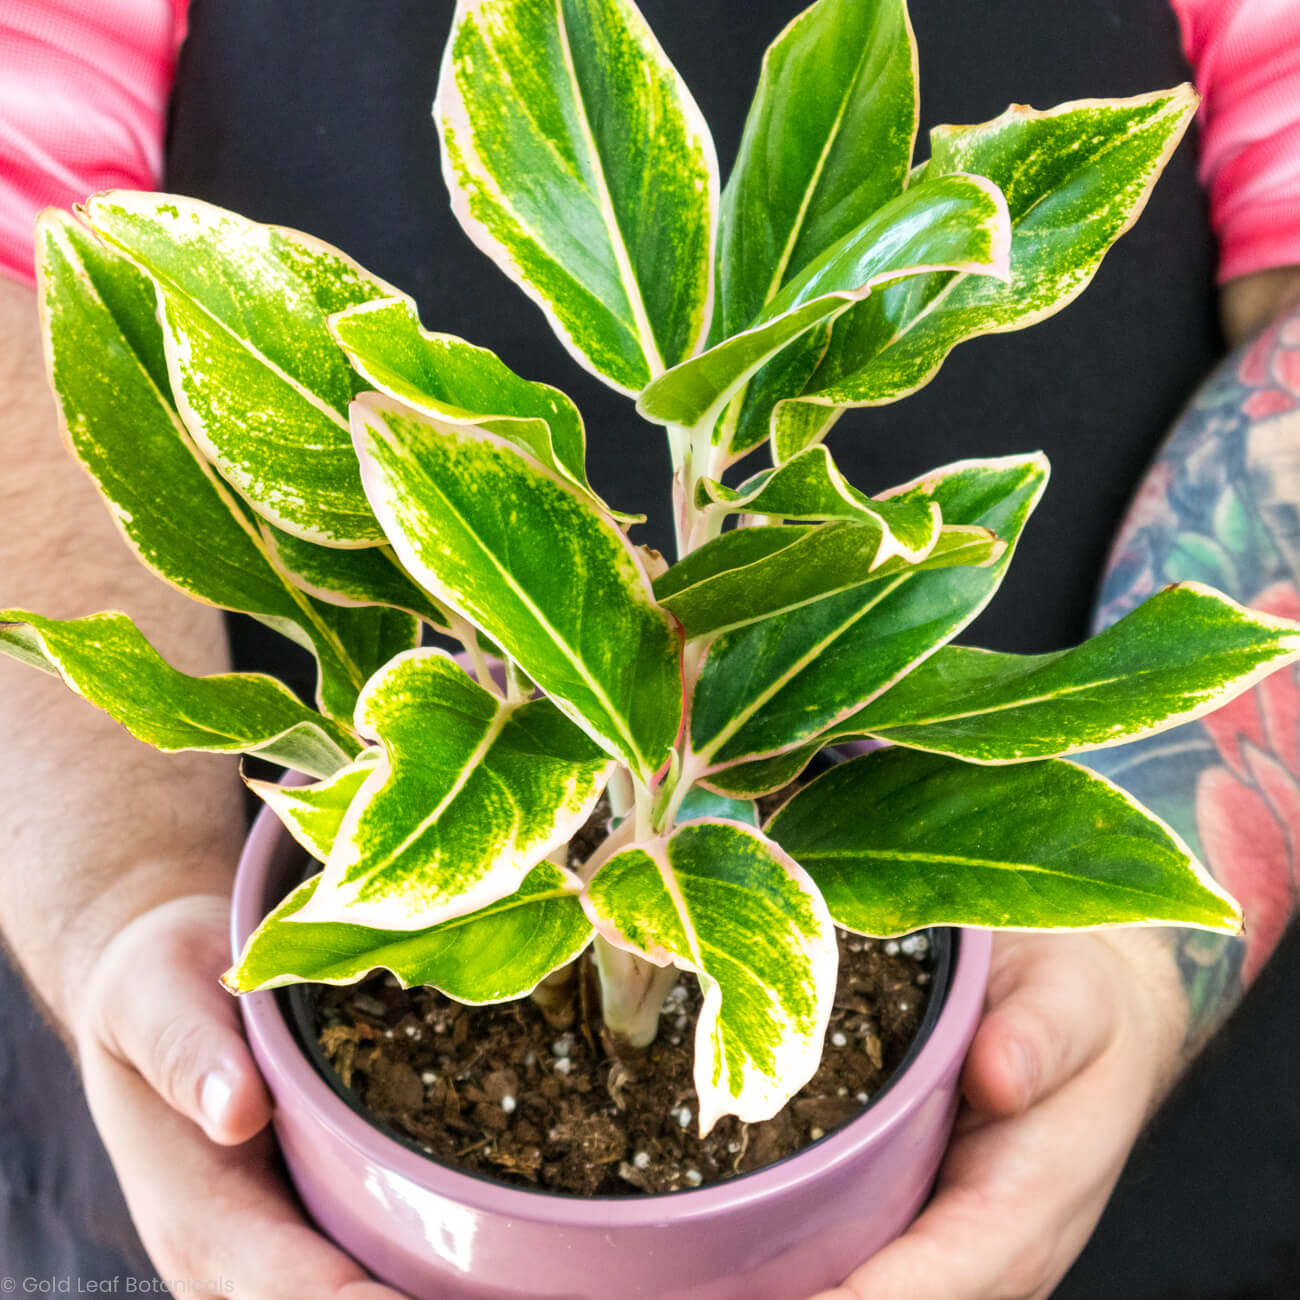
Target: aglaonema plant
(276,433)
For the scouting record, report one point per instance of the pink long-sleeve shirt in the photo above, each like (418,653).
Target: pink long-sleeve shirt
(84,89)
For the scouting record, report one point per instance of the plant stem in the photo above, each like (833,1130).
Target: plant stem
(518,687)
(556,996)
(632,993)
(701,459)
(467,634)
(621,793)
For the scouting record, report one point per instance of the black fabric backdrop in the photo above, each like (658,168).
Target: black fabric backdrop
(317,115)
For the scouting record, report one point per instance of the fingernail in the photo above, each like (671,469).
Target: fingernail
(214,1097)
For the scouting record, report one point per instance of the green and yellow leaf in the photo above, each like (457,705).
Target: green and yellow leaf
(719,899)
(578,162)
(776,684)
(497,954)
(827,141)
(261,385)
(370,575)
(752,574)
(470,792)
(104,659)
(1183,653)
(454,381)
(104,352)
(523,555)
(898,840)
(312,814)
(1075,177)
(811,487)
(952,223)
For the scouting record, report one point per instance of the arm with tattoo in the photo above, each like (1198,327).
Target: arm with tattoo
(1221,505)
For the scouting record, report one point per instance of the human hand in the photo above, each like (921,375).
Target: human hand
(1080,1040)
(183,1112)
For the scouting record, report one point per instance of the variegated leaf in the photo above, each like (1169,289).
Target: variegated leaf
(719,899)
(370,575)
(523,555)
(827,141)
(898,840)
(1183,653)
(351,644)
(104,659)
(497,954)
(811,487)
(259,382)
(470,793)
(312,814)
(445,377)
(577,160)
(751,574)
(955,223)
(1076,177)
(105,356)
(763,776)
(774,685)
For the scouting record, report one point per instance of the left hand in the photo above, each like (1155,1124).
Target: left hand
(1080,1040)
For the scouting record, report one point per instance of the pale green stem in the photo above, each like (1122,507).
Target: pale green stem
(556,997)
(518,687)
(621,794)
(632,994)
(642,813)
(467,635)
(667,808)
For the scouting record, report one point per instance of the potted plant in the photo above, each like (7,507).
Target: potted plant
(276,433)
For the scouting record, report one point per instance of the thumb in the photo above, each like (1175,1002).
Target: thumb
(154,1002)
(1050,1013)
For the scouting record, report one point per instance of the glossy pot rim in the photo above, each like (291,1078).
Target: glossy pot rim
(291,1074)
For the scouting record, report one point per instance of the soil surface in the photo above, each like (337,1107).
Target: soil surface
(498,1091)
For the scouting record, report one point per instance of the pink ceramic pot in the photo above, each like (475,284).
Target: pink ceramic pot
(781,1233)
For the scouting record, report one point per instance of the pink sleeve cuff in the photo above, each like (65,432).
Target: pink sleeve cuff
(83,105)
(1246,58)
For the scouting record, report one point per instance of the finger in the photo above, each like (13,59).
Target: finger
(206,1211)
(158,1007)
(1016,1202)
(1051,1013)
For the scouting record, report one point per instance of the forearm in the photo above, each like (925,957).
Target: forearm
(1221,506)
(98,826)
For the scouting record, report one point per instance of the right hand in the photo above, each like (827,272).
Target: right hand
(183,1112)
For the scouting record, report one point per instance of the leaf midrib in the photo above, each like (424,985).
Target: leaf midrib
(960,860)
(591,683)
(374,866)
(605,206)
(743,715)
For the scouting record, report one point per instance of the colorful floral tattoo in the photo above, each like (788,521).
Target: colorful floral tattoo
(1221,505)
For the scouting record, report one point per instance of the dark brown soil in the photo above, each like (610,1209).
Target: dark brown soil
(498,1091)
